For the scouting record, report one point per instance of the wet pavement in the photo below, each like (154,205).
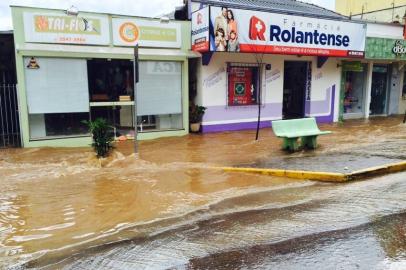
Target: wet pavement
(168,210)
(338,162)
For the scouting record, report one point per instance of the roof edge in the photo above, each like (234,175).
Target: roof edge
(282,11)
(95,12)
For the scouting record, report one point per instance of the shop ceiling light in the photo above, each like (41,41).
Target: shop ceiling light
(72,11)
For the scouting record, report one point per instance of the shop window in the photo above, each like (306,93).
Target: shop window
(159,96)
(243,84)
(121,118)
(57,96)
(110,80)
(57,125)
(111,89)
(354,88)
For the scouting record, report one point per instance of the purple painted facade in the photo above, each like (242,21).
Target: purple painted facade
(324,107)
(225,113)
(270,110)
(234,126)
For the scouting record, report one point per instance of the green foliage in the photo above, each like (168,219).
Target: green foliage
(196,113)
(102,136)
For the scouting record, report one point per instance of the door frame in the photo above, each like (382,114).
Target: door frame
(365,94)
(387,95)
(309,63)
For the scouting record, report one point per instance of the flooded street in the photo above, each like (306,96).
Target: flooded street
(170,209)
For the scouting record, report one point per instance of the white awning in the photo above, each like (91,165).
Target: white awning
(104,50)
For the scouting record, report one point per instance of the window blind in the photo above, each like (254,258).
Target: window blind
(159,90)
(57,86)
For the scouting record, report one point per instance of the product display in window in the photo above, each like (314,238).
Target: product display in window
(119,117)
(354,88)
(111,80)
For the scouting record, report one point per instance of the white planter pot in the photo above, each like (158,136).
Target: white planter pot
(195,127)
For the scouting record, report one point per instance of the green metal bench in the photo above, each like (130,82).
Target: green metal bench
(291,130)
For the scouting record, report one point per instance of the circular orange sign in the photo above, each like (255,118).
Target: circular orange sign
(129,32)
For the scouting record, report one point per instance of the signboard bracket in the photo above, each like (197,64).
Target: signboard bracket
(206,58)
(321,60)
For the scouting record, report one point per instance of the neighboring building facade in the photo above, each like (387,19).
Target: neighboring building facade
(351,7)
(388,15)
(373,86)
(279,64)
(386,47)
(9,120)
(373,10)
(72,68)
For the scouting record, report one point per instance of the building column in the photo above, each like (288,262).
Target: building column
(368,89)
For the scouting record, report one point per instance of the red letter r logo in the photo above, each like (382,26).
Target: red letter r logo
(257,29)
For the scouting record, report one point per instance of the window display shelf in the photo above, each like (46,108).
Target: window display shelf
(111,103)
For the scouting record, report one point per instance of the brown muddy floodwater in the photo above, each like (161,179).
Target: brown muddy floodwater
(169,209)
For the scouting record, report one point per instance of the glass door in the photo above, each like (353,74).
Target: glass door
(354,89)
(379,90)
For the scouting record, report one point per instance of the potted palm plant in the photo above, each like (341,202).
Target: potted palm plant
(102,136)
(196,113)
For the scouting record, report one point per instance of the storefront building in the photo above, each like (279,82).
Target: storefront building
(288,62)
(374,86)
(72,68)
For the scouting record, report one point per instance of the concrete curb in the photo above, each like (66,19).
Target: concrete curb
(324,176)
(380,170)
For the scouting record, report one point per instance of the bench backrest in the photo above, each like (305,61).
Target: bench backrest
(284,127)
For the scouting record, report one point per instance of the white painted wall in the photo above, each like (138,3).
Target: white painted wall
(212,82)
(325,77)
(380,30)
(402,102)
(213,87)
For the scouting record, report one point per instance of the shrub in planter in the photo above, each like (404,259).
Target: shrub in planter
(196,113)
(102,136)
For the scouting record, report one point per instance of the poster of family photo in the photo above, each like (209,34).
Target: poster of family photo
(225,30)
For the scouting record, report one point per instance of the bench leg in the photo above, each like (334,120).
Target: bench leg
(309,142)
(290,144)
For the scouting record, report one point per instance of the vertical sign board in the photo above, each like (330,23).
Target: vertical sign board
(309,81)
(146,33)
(265,32)
(200,30)
(58,27)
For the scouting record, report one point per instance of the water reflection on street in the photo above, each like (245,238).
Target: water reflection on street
(169,209)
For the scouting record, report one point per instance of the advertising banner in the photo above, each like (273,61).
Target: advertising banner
(385,49)
(200,30)
(146,33)
(237,30)
(64,29)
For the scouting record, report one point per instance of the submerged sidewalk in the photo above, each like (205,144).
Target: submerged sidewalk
(356,149)
(354,145)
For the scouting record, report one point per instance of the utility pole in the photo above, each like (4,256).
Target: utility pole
(135,67)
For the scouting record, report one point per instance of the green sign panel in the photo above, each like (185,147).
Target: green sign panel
(353,66)
(385,49)
(239,89)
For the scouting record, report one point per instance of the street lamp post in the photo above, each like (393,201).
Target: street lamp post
(135,65)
